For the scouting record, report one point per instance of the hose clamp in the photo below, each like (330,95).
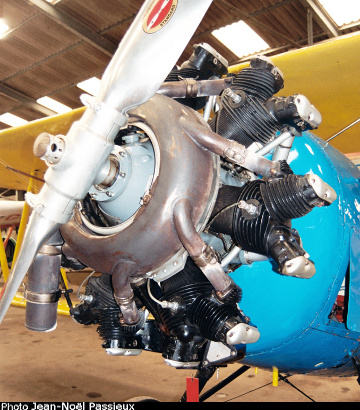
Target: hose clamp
(42,298)
(191,88)
(206,257)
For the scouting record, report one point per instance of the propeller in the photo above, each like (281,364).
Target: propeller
(146,54)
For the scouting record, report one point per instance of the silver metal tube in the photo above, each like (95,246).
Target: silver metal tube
(344,129)
(282,151)
(231,150)
(274,143)
(43,287)
(187,89)
(230,256)
(34,239)
(246,258)
(208,107)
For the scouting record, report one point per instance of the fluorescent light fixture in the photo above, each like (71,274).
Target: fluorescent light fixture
(342,12)
(91,86)
(240,39)
(12,120)
(53,1)
(53,105)
(4,28)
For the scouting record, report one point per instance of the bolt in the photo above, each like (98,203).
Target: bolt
(86,298)
(145,199)
(236,98)
(249,208)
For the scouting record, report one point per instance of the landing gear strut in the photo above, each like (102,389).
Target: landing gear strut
(204,374)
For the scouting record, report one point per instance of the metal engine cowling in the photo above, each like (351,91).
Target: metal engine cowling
(147,244)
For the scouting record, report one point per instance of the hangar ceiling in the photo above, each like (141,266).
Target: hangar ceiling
(50,48)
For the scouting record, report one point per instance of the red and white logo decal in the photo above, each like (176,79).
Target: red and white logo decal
(158,15)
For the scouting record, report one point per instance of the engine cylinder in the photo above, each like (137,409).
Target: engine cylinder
(258,217)
(288,198)
(245,122)
(200,310)
(243,116)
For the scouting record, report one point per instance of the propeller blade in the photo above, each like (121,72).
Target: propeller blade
(145,56)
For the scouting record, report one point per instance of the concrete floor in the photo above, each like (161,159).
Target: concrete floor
(69,364)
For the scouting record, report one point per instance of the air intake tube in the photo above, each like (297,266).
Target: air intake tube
(42,290)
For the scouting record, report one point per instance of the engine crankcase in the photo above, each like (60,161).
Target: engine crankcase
(147,243)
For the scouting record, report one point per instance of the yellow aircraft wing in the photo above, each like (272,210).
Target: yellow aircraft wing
(327,74)
(17,161)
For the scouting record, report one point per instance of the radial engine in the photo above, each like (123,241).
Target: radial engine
(181,199)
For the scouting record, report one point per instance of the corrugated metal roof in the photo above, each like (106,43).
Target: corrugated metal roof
(45,55)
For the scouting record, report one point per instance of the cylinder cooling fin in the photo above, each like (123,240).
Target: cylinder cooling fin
(242,115)
(246,121)
(289,198)
(164,185)
(258,216)
(200,317)
(261,80)
(250,113)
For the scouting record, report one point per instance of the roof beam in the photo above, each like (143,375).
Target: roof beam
(82,31)
(25,100)
(249,16)
(324,19)
(310,28)
(253,20)
(270,8)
